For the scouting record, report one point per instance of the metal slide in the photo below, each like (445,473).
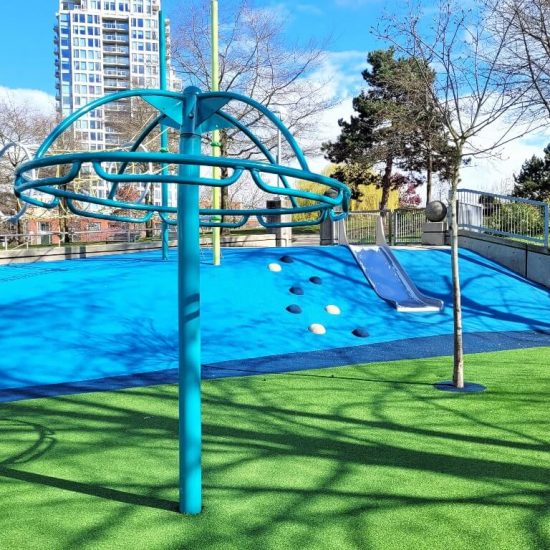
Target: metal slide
(388,278)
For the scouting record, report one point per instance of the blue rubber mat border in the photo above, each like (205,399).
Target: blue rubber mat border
(410,348)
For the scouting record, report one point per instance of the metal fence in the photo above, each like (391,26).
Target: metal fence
(21,241)
(401,226)
(512,217)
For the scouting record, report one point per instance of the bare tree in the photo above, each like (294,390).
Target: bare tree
(20,122)
(256,59)
(527,48)
(471,94)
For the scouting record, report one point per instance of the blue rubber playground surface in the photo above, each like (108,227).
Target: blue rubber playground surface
(111,322)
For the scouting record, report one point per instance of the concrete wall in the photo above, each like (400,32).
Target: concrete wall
(254,241)
(56,253)
(532,262)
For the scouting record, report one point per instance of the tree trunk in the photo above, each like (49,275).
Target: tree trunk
(20,229)
(63,221)
(458,364)
(386,183)
(149,224)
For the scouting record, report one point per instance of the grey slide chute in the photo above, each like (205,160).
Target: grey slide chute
(390,281)
(387,276)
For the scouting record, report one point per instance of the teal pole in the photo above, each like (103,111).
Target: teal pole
(189,315)
(215,77)
(165,235)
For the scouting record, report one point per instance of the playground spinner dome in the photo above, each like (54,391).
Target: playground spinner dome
(50,178)
(73,178)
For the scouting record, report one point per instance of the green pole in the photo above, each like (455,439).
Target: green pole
(165,235)
(216,191)
(189,315)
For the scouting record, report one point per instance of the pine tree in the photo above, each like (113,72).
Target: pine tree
(394,126)
(533,180)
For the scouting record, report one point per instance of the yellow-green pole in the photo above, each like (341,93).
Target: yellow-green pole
(216,191)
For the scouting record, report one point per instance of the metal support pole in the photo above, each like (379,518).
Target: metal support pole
(278,157)
(165,234)
(189,316)
(546,225)
(216,191)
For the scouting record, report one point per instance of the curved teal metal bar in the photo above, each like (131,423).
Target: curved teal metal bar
(185,112)
(72,118)
(134,147)
(270,116)
(76,160)
(258,144)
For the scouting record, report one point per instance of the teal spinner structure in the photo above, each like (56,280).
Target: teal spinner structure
(49,178)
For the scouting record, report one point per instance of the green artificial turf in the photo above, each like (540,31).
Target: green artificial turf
(367,457)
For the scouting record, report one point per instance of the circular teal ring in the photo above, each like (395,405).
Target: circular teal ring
(324,205)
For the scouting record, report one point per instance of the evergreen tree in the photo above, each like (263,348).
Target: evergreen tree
(533,180)
(395,125)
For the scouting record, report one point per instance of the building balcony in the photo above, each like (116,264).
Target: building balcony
(117,50)
(120,38)
(116,61)
(111,140)
(110,73)
(115,26)
(71,5)
(115,84)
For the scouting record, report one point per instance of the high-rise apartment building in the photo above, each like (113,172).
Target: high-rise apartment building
(105,46)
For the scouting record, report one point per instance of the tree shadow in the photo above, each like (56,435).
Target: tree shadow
(351,425)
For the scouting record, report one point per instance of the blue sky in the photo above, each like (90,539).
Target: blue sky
(27,63)
(26,49)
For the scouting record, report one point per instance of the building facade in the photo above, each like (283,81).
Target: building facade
(102,47)
(105,46)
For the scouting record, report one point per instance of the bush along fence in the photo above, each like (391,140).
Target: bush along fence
(401,226)
(501,215)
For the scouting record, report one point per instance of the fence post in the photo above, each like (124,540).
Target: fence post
(328,231)
(546,224)
(391,230)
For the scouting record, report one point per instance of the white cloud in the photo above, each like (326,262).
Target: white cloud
(310,9)
(342,73)
(329,129)
(495,174)
(342,70)
(36,99)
